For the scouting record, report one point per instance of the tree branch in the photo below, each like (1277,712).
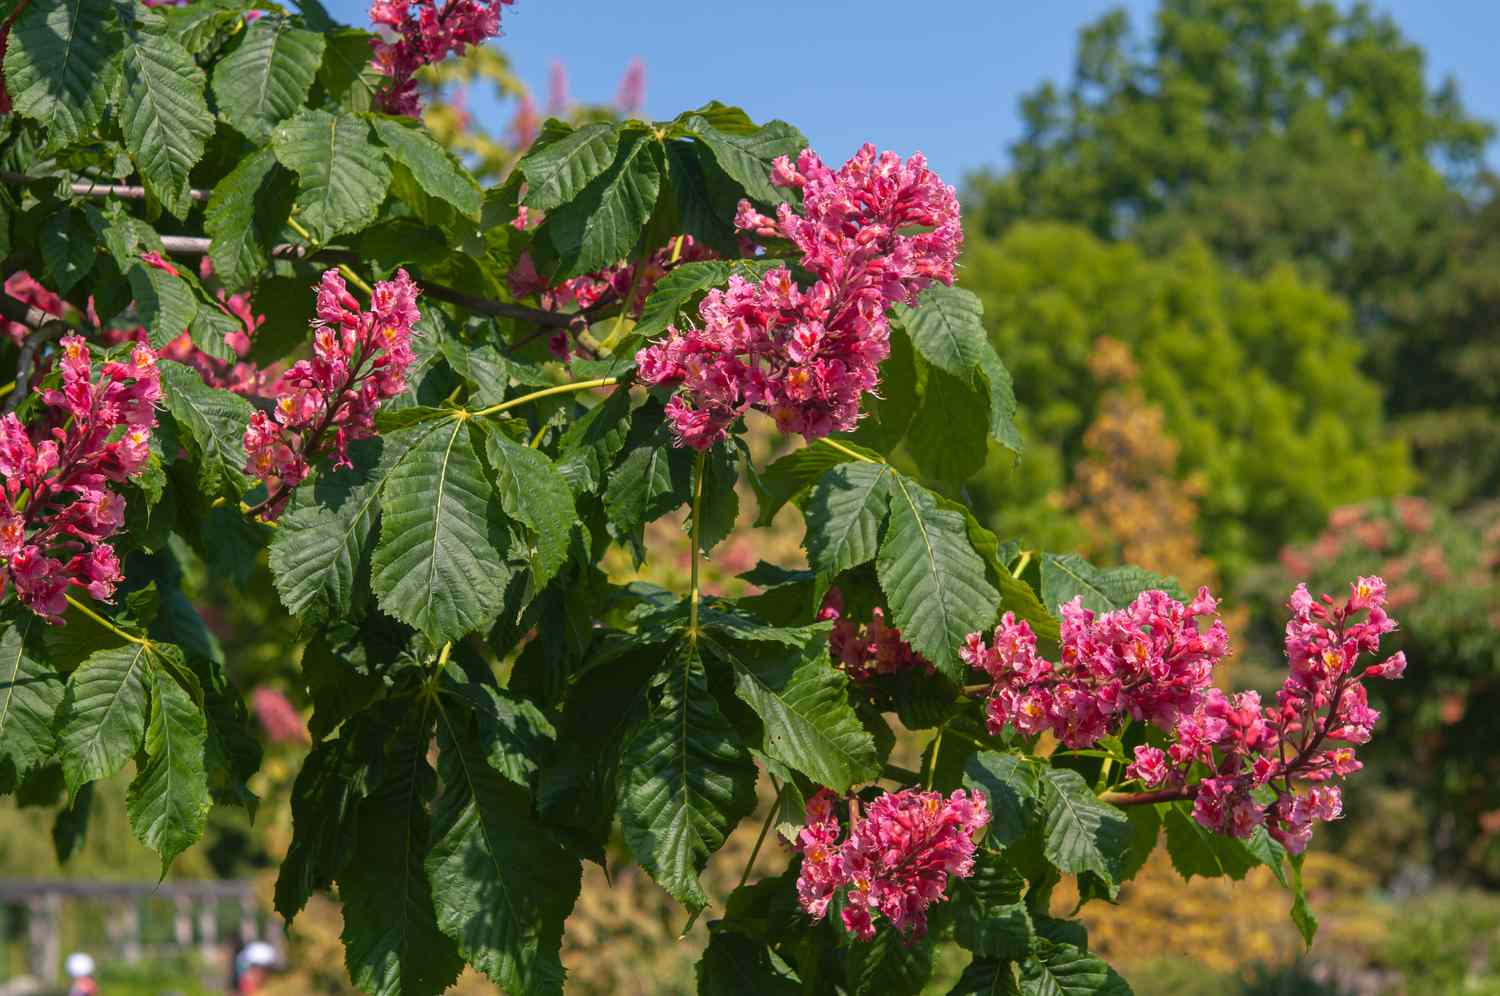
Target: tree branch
(25,314)
(49,331)
(87,188)
(1180,794)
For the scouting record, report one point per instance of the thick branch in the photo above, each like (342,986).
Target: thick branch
(32,317)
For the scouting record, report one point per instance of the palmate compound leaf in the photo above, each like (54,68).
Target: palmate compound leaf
(803,703)
(844,513)
(60,65)
(30,692)
(164,117)
(932,578)
(266,79)
(168,801)
(501,884)
(685,779)
(440,564)
(102,720)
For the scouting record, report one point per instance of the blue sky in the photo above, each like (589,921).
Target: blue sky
(942,76)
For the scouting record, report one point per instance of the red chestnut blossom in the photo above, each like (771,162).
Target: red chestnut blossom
(1148,661)
(57,508)
(806,357)
(426,34)
(359,358)
(866,651)
(632,94)
(895,861)
(278,717)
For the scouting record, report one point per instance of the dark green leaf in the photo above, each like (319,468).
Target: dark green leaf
(214,421)
(1012,785)
(947,331)
(747,157)
(333,779)
(735,965)
(844,513)
(244,216)
(1066,576)
(266,79)
(433,168)
(986,977)
(347,74)
(1064,970)
(30,692)
(991,920)
(60,65)
(1082,833)
(168,800)
(165,302)
(674,291)
(163,116)
(557,171)
(888,965)
(342,175)
(948,434)
(68,248)
(533,493)
(103,716)
(601,224)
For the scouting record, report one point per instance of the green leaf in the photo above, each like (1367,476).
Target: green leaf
(163,116)
(325,796)
(202,26)
(844,512)
(947,435)
(986,977)
(68,248)
(60,66)
(720,508)
(1196,850)
(947,331)
(214,420)
(888,964)
(1082,833)
(1002,400)
(677,289)
(601,224)
(686,781)
(533,493)
(168,800)
(102,719)
(211,327)
(650,481)
(557,171)
(165,302)
(501,885)
(1302,914)
(1066,576)
(735,965)
(346,74)
(791,476)
(434,169)
(440,565)
(30,692)
(803,703)
(392,944)
(244,216)
(342,175)
(746,157)
(265,80)
(1011,784)
(932,578)
(592,442)
(1064,970)
(991,919)
(324,539)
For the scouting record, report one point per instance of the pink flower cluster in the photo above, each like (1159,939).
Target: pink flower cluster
(864,651)
(1295,750)
(807,356)
(278,717)
(57,502)
(426,34)
(359,358)
(1148,661)
(895,860)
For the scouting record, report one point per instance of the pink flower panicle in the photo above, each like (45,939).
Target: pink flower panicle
(57,508)
(359,358)
(894,862)
(864,651)
(1149,661)
(806,357)
(278,717)
(632,94)
(424,34)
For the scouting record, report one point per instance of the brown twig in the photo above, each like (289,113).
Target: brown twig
(87,188)
(36,340)
(1179,794)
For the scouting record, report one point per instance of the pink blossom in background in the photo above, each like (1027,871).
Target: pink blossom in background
(807,356)
(278,717)
(895,861)
(359,358)
(524,125)
(57,538)
(558,98)
(425,34)
(631,97)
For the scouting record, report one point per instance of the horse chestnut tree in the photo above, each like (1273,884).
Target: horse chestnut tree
(253,308)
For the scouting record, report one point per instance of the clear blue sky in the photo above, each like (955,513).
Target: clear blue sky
(942,76)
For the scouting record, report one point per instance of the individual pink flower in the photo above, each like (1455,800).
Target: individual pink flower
(872,234)
(424,34)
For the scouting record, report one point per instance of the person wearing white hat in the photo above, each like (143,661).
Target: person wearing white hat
(80,968)
(256,960)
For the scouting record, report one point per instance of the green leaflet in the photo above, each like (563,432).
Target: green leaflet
(60,65)
(68,249)
(803,703)
(601,224)
(888,965)
(685,780)
(164,117)
(1065,970)
(165,301)
(1011,784)
(948,433)
(1081,833)
(932,577)
(790,477)
(265,80)
(991,920)
(1067,575)
(333,779)
(557,171)
(102,720)
(678,288)
(434,169)
(168,800)
(651,480)
(844,513)
(986,977)
(244,216)
(30,692)
(746,156)
(947,331)
(346,73)
(214,421)
(533,493)
(440,563)
(342,175)
(501,885)
(735,965)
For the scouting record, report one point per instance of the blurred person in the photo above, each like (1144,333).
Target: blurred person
(80,969)
(253,966)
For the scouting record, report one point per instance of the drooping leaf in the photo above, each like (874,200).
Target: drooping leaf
(651,480)
(342,175)
(932,578)
(102,720)
(336,775)
(68,248)
(557,171)
(533,493)
(1065,970)
(686,781)
(433,168)
(844,513)
(164,117)
(214,422)
(949,431)
(1196,850)
(1011,784)
(245,213)
(720,505)
(440,563)
(1302,914)
(1082,833)
(601,224)
(1066,576)
(60,65)
(501,885)
(746,157)
(265,80)
(947,331)
(30,692)
(168,800)
(990,917)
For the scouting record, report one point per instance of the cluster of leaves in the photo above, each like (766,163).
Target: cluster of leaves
(462,545)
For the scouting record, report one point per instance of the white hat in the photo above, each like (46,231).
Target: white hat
(79,965)
(259,954)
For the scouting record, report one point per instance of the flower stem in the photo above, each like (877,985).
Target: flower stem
(937,744)
(694,596)
(349,275)
(581,385)
(764,829)
(141,640)
(1021,563)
